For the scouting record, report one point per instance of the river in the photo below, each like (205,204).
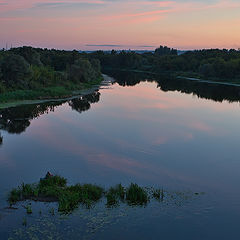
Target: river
(177,135)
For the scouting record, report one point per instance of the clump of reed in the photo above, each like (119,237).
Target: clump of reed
(54,188)
(158,194)
(136,195)
(115,194)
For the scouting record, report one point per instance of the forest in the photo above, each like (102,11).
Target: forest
(212,64)
(29,73)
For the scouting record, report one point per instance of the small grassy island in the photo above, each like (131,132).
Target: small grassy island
(54,188)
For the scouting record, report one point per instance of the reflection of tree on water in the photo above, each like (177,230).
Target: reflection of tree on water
(1,139)
(84,103)
(127,78)
(166,83)
(214,92)
(15,120)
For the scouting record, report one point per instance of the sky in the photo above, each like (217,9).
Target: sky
(120,24)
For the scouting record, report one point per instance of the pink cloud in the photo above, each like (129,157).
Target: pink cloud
(26,4)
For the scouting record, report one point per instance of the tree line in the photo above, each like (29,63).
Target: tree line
(208,63)
(33,68)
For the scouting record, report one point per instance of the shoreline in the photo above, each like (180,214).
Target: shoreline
(209,81)
(179,77)
(75,94)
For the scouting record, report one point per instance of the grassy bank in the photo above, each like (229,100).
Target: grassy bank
(54,92)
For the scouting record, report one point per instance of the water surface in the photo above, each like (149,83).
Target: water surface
(155,131)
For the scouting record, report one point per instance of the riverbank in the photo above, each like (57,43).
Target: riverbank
(209,81)
(179,75)
(51,94)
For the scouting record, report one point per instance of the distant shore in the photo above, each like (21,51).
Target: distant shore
(178,76)
(209,81)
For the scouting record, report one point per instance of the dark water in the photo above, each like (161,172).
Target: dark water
(178,135)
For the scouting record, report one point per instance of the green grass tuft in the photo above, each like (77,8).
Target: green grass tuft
(115,194)
(29,209)
(136,195)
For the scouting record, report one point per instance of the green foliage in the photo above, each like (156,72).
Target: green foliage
(213,64)
(43,76)
(42,93)
(83,71)
(27,190)
(115,194)
(55,189)
(14,196)
(29,209)
(136,195)
(28,68)
(29,53)
(15,70)
(53,181)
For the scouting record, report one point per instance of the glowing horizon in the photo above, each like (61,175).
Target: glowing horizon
(120,24)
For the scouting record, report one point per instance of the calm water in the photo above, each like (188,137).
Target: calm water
(178,135)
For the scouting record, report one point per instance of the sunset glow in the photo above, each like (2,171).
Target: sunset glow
(108,24)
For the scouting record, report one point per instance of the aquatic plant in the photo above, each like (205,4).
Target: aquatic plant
(115,194)
(158,194)
(29,209)
(136,195)
(55,189)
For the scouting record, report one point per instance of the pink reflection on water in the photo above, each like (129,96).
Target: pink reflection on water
(96,157)
(6,161)
(201,126)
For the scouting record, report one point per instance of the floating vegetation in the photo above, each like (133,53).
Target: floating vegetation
(55,189)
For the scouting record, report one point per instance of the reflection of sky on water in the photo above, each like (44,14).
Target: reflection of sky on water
(135,133)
